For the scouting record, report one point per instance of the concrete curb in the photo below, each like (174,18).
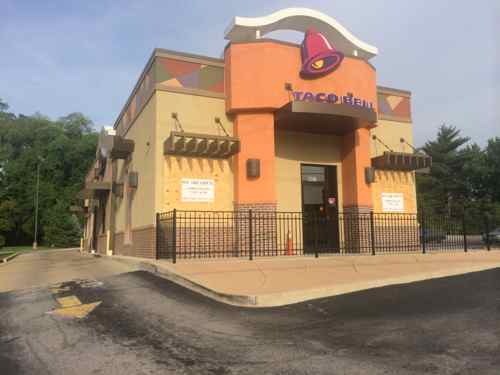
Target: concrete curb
(63,249)
(9,258)
(231,299)
(287,298)
(291,297)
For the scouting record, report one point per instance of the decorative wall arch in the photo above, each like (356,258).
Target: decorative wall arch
(300,19)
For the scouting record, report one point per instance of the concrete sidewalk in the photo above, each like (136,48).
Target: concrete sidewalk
(266,282)
(41,268)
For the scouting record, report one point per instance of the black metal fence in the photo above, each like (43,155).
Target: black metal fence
(249,234)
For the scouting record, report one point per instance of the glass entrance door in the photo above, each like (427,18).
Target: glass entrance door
(320,208)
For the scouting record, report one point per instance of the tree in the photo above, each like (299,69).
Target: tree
(61,229)
(7,210)
(76,124)
(67,147)
(445,187)
(463,176)
(493,163)
(3,106)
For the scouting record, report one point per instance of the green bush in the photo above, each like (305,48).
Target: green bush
(61,228)
(2,241)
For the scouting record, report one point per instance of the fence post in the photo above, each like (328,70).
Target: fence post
(464,229)
(372,232)
(174,237)
(488,245)
(422,230)
(157,247)
(317,229)
(250,234)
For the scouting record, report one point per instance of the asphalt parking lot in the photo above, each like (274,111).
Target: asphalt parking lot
(147,325)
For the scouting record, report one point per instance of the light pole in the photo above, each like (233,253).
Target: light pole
(40,160)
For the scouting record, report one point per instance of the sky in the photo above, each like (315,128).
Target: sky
(58,57)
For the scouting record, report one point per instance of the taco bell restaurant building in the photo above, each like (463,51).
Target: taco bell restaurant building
(271,126)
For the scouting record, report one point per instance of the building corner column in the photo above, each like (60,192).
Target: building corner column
(257,194)
(110,211)
(357,192)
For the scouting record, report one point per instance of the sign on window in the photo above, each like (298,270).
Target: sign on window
(197,190)
(392,202)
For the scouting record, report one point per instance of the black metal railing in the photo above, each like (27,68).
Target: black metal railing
(250,234)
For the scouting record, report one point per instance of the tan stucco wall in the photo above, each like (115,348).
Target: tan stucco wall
(294,149)
(220,171)
(196,115)
(395,182)
(143,162)
(390,132)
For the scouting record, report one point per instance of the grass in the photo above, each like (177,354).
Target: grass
(23,249)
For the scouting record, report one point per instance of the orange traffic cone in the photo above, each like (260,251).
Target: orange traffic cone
(289,244)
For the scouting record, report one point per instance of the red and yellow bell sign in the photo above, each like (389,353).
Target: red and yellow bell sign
(318,56)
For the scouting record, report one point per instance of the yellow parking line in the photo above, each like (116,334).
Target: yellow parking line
(79,311)
(59,289)
(68,301)
(71,306)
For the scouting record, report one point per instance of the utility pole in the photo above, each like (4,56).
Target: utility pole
(35,244)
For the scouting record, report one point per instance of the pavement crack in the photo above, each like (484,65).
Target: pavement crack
(9,339)
(264,277)
(65,341)
(36,355)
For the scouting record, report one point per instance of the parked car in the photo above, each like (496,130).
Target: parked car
(494,236)
(432,235)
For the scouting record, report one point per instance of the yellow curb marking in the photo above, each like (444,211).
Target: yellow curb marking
(79,311)
(71,306)
(59,289)
(69,301)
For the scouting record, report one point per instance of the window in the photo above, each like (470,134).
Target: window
(311,173)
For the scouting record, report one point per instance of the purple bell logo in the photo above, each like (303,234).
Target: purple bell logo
(318,56)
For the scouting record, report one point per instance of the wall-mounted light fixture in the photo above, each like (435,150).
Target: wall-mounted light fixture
(117,189)
(369,175)
(253,168)
(133,180)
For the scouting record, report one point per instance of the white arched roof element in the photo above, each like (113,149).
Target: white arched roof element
(300,19)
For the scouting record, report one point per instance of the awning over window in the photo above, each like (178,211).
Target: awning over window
(201,145)
(93,187)
(401,161)
(326,118)
(114,146)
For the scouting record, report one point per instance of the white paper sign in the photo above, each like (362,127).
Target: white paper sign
(392,202)
(197,190)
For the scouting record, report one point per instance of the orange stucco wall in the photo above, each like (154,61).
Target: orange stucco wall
(256,132)
(256,74)
(355,157)
(255,77)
